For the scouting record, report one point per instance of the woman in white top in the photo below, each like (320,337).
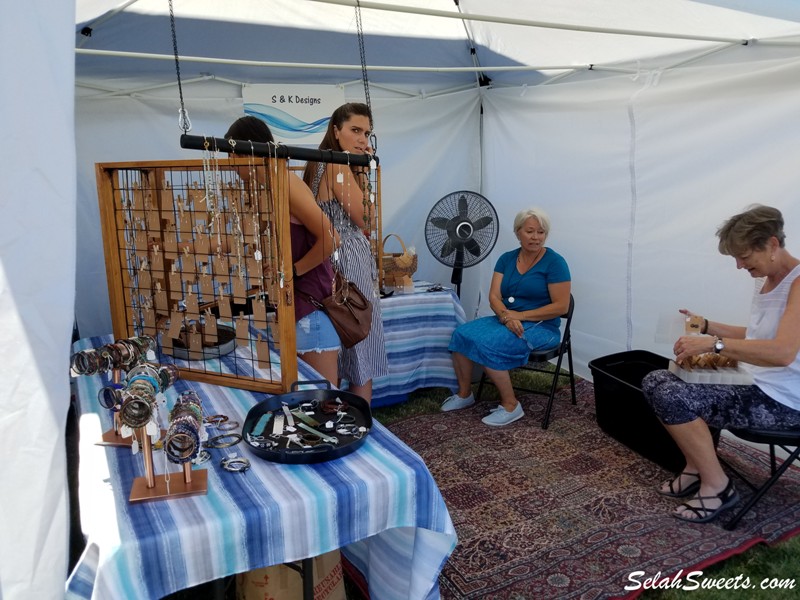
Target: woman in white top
(768,348)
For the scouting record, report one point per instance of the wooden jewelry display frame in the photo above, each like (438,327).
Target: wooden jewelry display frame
(195,246)
(187,241)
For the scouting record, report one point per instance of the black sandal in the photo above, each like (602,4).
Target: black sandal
(728,496)
(683,491)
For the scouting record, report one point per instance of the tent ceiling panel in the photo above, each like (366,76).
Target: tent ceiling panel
(300,33)
(515,41)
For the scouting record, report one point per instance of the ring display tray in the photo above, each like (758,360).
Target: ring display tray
(308,420)
(719,375)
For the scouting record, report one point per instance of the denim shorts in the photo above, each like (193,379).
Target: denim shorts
(315,333)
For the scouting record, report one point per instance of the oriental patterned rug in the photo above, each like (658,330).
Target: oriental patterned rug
(569,512)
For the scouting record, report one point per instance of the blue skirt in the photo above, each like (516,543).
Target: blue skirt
(487,342)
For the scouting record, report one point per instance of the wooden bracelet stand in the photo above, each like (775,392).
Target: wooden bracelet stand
(155,487)
(113,437)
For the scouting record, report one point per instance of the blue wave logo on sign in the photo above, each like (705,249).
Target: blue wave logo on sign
(283,124)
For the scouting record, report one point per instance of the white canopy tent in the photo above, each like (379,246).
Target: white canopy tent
(639,125)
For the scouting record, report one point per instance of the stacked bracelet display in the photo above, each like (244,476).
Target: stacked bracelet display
(137,408)
(182,442)
(122,354)
(142,383)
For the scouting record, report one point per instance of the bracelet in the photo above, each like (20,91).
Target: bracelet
(704,330)
(217,442)
(235,464)
(294,272)
(202,457)
(181,444)
(215,419)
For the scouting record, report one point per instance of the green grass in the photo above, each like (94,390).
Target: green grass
(427,401)
(780,562)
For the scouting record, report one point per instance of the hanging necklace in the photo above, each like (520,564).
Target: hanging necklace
(513,291)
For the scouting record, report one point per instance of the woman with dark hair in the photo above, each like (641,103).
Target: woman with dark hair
(768,348)
(313,242)
(340,193)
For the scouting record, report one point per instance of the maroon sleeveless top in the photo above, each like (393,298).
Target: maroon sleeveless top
(317,282)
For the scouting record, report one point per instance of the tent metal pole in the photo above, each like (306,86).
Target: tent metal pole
(529,23)
(258,63)
(695,57)
(158,86)
(138,90)
(114,92)
(777,42)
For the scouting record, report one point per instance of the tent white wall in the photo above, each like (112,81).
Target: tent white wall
(37,274)
(637,160)
(638,174)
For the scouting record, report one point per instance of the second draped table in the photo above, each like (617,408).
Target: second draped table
(417,329)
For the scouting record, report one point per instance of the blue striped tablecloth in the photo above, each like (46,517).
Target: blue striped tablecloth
(379,504)
(417,327)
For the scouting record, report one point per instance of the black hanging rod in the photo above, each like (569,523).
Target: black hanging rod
(200,142)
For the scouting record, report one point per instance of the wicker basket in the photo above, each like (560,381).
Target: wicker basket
(398,264)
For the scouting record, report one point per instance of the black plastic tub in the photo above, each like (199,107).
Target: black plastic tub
(622,411)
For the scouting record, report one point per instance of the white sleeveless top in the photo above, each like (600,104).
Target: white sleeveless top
(782,384)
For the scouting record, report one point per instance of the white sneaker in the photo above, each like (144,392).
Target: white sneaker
(456,402)
(500,416)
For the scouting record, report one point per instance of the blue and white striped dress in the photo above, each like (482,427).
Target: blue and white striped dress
(367,359)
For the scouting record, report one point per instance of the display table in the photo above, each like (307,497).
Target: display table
(417,328)
(379,504)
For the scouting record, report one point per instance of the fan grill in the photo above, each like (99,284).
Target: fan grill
(461,229)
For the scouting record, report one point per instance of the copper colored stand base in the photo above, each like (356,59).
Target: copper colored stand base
(113,438)
(178,486)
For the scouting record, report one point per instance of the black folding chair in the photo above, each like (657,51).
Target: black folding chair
(538,357)
(786,440)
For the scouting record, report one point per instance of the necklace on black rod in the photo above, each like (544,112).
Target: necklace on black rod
(521,275)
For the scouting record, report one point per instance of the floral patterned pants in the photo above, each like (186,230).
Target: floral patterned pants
(738,406)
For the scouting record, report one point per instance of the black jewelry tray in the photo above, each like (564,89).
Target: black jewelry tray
(357,408)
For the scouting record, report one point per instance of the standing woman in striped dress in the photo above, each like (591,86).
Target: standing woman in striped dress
(339,191)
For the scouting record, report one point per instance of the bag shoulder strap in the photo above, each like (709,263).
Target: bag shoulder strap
(313,301)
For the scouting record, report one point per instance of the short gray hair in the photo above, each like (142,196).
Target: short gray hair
(751,230)
(536,213)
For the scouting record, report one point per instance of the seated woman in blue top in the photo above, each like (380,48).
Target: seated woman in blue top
(530,290)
